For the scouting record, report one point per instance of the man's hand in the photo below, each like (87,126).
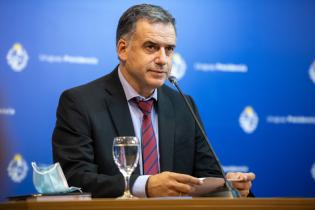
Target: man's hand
(241,181)
(171,184)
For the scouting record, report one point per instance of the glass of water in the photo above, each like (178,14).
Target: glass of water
(126,157)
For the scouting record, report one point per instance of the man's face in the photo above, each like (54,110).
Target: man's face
(146,57)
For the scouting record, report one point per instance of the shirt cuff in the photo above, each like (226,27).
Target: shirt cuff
(138,188)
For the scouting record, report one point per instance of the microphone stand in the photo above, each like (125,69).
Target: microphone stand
(233,192)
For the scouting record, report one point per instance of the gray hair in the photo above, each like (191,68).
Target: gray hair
(151,13)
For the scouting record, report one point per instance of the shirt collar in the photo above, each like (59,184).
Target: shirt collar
(130,92)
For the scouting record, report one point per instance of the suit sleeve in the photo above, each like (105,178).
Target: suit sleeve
(73,148)
(205,161)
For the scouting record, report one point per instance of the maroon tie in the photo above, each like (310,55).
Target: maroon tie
(149,146)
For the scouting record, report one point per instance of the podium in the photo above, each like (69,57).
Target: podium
(166,204)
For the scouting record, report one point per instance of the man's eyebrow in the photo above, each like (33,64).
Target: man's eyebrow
(154,43)
(149,42)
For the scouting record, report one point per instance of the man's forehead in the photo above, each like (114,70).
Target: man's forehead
(155,32)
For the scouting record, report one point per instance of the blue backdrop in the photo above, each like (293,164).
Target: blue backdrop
(250,66)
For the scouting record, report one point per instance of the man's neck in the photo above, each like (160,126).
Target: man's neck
(144,92)
(130,90)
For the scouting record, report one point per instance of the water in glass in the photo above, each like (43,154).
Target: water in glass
(126,156)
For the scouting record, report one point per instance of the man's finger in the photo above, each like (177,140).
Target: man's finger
(238,176)
(235,176)
(250,176)
(183,178)
(246,176)
(173,193)
(242,185)
(183,188)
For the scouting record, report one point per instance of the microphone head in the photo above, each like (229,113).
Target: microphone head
(172,79)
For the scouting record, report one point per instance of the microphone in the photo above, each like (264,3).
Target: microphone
(233,192)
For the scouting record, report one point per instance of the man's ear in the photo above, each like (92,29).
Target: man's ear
(122,49)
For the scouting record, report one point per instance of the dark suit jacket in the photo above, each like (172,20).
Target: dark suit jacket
(91,115)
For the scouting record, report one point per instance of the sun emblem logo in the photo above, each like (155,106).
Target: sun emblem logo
(248,120)
(312,71)
(179,66)
(17,169)
(17,57)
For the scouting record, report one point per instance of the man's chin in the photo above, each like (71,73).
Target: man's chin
(155,83)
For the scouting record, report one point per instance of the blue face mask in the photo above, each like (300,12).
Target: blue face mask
(51,179)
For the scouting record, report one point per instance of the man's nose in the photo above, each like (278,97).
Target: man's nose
(161,57)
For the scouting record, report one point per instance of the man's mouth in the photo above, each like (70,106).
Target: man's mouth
(158,71)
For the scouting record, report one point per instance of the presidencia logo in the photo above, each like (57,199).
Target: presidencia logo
(179,66)
(17,57)
(248,120)
(17,169)
(312,71)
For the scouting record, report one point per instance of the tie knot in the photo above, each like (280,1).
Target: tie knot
(144,106)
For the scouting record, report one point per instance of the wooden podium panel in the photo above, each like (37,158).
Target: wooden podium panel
(166,204)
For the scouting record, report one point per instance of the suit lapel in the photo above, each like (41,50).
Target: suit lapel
(118,106)
(166,120)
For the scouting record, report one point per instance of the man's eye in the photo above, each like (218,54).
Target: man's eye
(169,50)
(151,47)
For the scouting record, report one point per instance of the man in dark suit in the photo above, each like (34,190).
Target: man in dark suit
(91,115)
